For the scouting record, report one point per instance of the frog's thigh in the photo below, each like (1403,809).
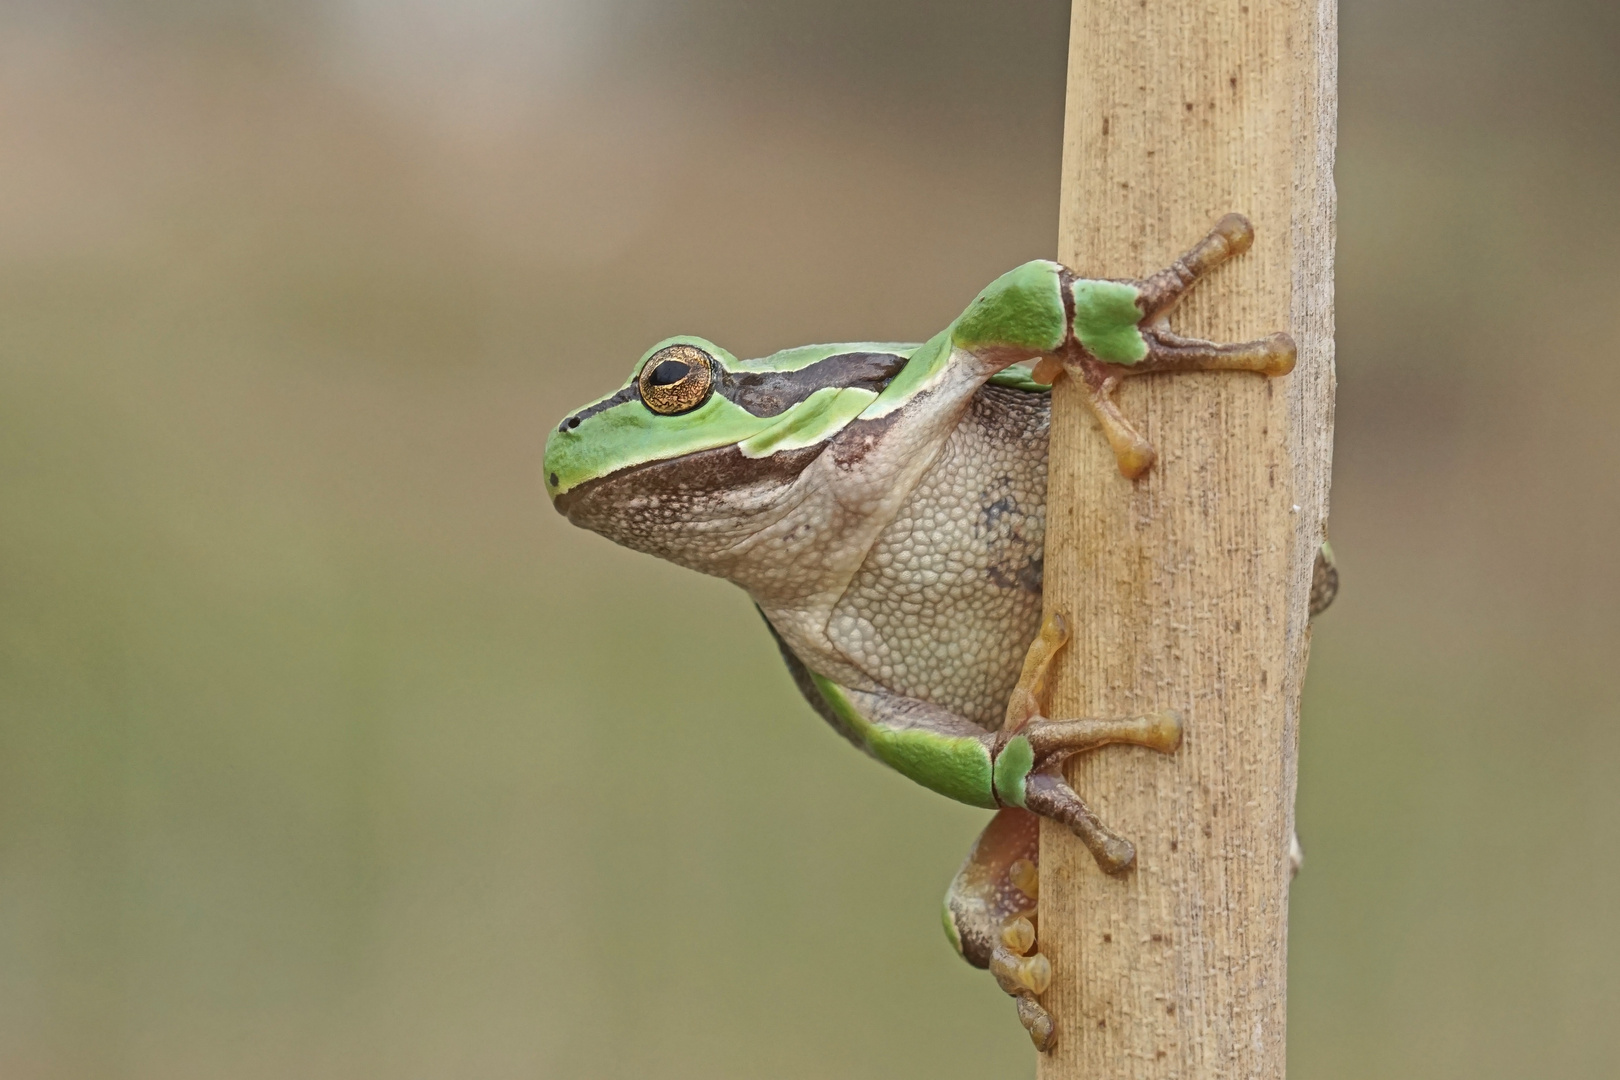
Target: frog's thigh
(933,746)
(990,914)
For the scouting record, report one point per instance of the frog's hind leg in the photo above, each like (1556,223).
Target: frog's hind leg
(990,915)
(1049,743)
(1052,742)
(990,910)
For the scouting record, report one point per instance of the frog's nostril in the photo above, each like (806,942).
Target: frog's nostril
(553,479)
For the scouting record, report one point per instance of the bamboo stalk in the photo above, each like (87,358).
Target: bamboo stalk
(1188,588)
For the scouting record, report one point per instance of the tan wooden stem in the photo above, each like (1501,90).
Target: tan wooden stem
(1187,589)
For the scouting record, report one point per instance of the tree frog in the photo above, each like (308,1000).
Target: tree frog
(884,506)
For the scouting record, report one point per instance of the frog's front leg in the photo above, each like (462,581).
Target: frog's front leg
(1121,328)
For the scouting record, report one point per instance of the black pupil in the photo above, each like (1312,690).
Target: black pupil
(668,373)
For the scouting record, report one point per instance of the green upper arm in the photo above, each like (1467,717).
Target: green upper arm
(1024,309)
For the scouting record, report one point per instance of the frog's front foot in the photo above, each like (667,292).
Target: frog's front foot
(1154,347)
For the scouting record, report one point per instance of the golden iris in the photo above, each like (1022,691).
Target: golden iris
(676,379)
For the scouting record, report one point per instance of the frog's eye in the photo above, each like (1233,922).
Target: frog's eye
(677,379)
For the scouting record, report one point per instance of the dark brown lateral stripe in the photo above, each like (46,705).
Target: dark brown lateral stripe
(629,393)
(769,393)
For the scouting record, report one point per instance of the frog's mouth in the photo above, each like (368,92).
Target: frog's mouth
(693,492)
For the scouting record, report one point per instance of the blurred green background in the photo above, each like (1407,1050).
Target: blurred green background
(328,750)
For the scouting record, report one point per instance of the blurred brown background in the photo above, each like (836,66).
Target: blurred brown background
(307,698)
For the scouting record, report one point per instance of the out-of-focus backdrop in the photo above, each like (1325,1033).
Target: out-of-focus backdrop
(308,699)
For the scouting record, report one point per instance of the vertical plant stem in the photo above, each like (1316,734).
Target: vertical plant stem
(1188,589)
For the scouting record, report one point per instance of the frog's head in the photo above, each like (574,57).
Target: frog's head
(697,450)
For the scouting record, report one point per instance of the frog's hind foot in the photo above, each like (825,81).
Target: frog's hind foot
(1048,794)
(1025,975)
(990,910)
(1049,743)
(990,915)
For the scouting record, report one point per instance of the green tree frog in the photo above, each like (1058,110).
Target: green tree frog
(884,506)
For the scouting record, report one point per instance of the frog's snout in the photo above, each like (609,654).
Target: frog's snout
(554,465)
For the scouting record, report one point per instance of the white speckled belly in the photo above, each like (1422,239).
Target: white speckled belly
(950,596)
